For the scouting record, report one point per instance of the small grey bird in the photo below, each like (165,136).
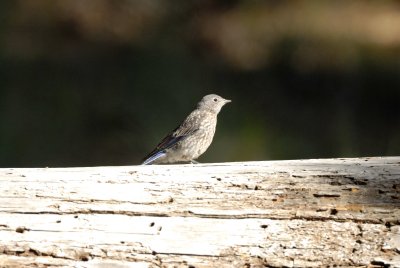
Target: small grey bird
(191,138)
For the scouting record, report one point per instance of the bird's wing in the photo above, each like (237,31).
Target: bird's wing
(178,134)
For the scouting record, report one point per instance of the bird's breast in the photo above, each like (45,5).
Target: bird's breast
(204,135)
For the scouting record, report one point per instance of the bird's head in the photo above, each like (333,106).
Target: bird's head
(212,102)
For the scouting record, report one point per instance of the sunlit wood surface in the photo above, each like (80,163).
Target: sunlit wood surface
(299,213)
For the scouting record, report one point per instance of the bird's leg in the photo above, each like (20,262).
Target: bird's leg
(194,162)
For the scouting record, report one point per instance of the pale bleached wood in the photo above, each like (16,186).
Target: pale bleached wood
(300,213)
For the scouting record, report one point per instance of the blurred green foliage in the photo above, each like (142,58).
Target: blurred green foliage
(101,82)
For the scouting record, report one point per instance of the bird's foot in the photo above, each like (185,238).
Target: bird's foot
(194,162)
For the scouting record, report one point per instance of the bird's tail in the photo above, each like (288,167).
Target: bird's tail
(153,157)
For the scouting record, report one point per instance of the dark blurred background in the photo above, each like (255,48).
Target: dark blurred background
(100,82)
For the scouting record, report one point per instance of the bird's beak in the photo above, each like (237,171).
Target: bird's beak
(227,101)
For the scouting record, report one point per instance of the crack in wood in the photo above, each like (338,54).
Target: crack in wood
(213,216)
(108,201)
(187,254)
(328,195)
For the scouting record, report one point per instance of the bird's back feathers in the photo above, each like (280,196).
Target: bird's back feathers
(177,135)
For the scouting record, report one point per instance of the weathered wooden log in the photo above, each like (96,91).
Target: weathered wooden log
(302,213)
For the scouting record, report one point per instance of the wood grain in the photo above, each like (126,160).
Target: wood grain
(299,213)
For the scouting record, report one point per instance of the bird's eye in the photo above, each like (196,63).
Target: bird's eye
(215,99)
